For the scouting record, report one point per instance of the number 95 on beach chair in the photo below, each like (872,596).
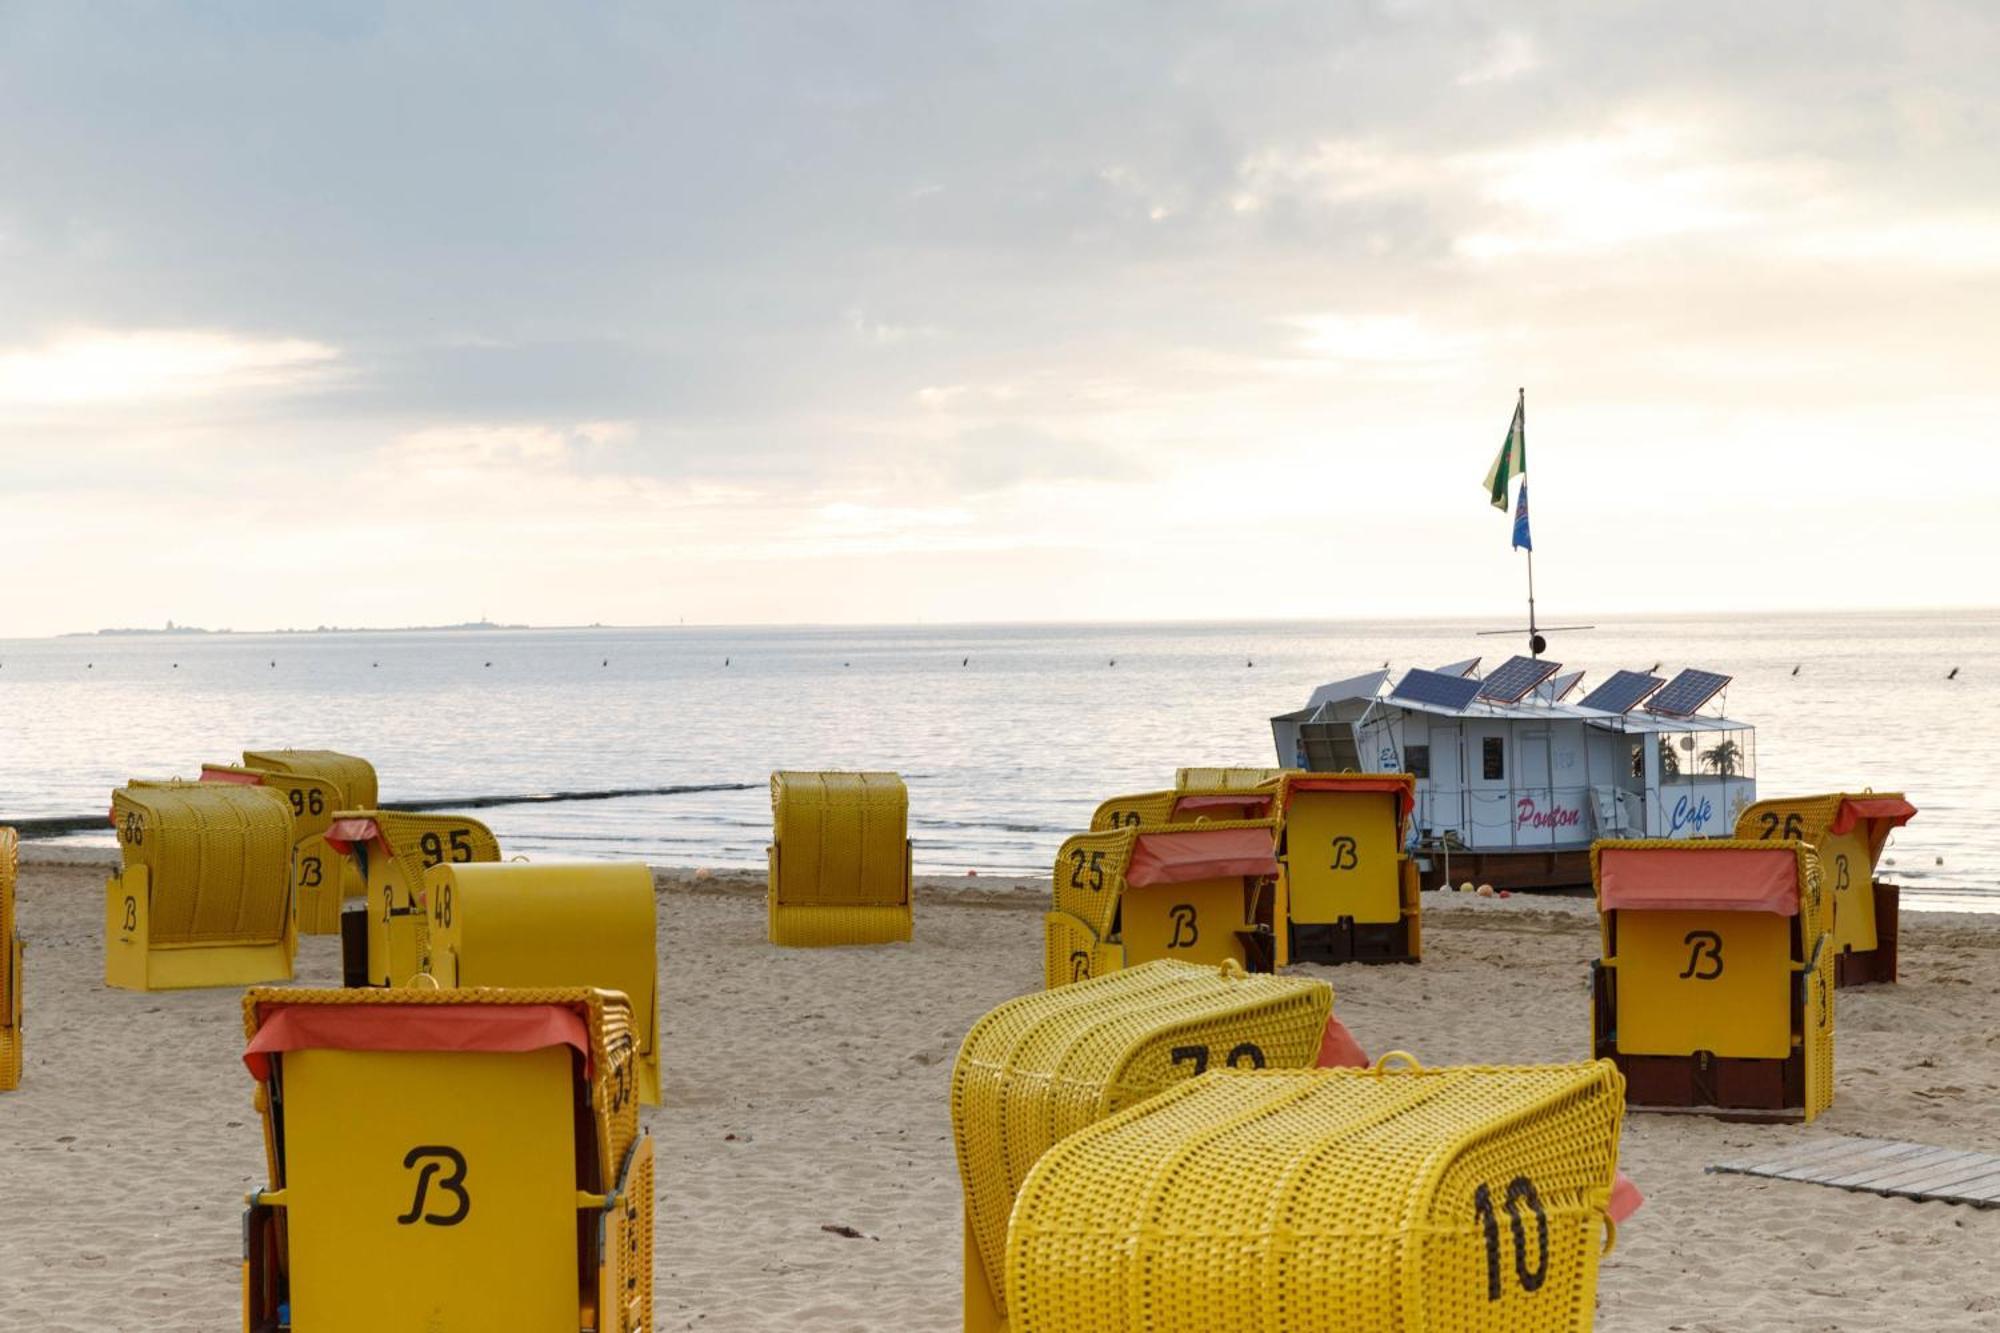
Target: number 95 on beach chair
(386,941)
(1848,831)
(204,894)
(1715,988)
(1444,1200)
(1048,1064)
(839,859)
(552,924)
(447,1160)
(1195,893)
(10,965)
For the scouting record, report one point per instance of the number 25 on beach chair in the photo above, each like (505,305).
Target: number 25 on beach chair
(1048,1064)
(839,859)
(386,940)
(1715,988)
(446,1160)
(1197,893)
(204,897)
(520,924)
(1350,891)
(10,965)
(1848,831)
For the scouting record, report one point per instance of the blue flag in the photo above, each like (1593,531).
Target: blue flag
(1522,542)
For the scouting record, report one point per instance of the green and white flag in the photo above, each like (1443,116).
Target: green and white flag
(1513,459)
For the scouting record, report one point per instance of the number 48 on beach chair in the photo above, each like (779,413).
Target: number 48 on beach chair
(1715,988)
(1848,831)
(447,1159)
(386,940)
(839,859)
(10,965)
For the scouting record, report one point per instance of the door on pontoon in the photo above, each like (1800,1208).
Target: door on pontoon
(1489,796)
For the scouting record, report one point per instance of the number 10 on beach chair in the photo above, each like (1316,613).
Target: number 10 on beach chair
(447,1160)
(839,859)
(10,965)
(1715,989)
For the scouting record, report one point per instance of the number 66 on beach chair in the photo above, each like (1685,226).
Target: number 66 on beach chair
(839,859)
(447,1159)
(204,896)
(1848,831)
(1715,988)
(10,965)
(1196,893)
(386,941)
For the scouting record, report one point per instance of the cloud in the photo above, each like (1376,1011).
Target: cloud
(87,370)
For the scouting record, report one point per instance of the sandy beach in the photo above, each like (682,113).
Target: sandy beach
(806,1089)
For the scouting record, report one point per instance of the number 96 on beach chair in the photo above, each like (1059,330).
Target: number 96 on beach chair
(447,1160)
(839,859)
(204,894)
(1715,988)
(386,940)
(553,924)
(10,965)
(1848,831)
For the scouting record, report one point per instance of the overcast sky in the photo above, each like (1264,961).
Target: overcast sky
(385,314)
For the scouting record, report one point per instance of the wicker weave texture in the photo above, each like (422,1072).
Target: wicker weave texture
(1073,952)
(1468,1198)
(10,964)
(1225,779)
(611,1098)
(1045,1065)
(320,879)
(354,777)
(219,857)
(839,859)
(1145,807)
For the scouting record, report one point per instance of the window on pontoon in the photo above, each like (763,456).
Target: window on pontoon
(1417,760)
(1492,759)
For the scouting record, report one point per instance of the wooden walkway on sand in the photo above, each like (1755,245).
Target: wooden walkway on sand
(1883,1166)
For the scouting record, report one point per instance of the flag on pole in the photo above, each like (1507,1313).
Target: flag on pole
(1522,542)
(1513,459)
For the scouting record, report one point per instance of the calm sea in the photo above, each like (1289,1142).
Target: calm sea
(1008,735)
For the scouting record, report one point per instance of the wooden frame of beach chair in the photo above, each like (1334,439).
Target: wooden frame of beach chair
(1849,830)
(386,940)
(1350,892)
(10,964)
(1714,992)
(204,896)
(319,877)
(1182,806)
(840,859)
(1467,1199)
(1196,893)
(467,1159)
(1046,1064)
(510,923)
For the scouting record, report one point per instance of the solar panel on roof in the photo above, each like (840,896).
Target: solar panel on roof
(1510,682)
(1465,668)
(1684,695)
(1419,686)
(1554,690)
(1622,692)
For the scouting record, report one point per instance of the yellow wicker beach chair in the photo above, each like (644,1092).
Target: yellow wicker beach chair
(1849,830)
(839,859)
(1196,805)
(447,1159)
(1196,893)
(1350,891)
(353,777)
(387,941)
(516,924)
(1227,779)
(204,897)
(318,875)
(1715,988)
(1048,1064)
(1446,1200)
(10,965)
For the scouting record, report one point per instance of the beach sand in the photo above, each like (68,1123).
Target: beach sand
(807,1089)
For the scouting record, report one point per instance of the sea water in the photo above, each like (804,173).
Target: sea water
(1007,735)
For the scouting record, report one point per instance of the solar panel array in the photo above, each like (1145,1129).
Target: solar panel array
(1419,686)
(1511,681)
(1684,695)
(1622,692)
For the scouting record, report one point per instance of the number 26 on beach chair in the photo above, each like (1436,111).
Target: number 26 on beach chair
(1199,893)
(386,941)
(447,1159)
(204,894)
(10,965)
(1848,831)
(1715,988)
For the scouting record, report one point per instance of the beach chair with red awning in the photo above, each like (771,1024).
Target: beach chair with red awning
(1849,831)
(385,940)
(1350,891)
(1714,991)
(1198,893)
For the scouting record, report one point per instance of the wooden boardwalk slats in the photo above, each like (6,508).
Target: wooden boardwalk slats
(1883,1166)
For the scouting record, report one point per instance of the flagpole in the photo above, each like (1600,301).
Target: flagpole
(1534,639)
